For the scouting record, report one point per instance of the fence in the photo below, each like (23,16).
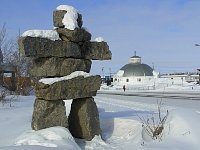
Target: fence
(21,85)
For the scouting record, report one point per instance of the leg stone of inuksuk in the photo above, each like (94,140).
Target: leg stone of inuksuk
(48,114)
(84,118)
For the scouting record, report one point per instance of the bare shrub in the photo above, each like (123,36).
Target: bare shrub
(3,93)
(7,98)
(154,126)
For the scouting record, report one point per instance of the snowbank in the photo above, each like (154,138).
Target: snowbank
(50,137)
(70,18)
(71,76)
(50,34)
(120,127)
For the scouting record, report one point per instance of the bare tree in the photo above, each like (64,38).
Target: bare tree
(9,53)
(2,41)
(10,56)
(7,46)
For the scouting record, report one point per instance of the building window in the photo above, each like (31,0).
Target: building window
(139,79)
(127,80)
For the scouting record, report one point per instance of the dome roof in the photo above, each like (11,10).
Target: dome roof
(137,69)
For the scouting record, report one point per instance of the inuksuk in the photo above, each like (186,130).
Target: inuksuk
(61,60)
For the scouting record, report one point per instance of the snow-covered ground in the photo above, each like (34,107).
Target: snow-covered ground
(120,123)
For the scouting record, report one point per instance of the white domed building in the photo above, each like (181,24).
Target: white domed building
(135,73)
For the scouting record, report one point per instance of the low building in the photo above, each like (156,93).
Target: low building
(8,71)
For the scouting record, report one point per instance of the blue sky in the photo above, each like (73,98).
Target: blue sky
(163,32)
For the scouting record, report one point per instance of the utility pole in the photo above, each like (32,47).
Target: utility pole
(110,72)
(198,71)
(102,69)
(153,65)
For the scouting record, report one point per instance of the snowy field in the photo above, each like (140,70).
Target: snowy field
(120,123)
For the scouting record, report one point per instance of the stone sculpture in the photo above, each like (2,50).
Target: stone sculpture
(65,63)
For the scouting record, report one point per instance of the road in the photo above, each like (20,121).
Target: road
(174,99)
(156,94)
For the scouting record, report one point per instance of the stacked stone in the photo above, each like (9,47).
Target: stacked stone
(55,59)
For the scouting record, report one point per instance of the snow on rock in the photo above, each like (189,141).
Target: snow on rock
(99,39)
(71,76)
(70,18)
(50,137)
(50,34)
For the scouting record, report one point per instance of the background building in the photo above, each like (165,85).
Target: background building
(135,73)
